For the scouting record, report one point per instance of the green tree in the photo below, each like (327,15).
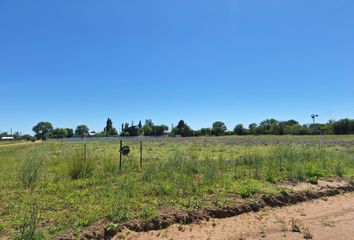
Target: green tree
(42,130)
(268,126)
(219,128)
(59,133)
(109,125)
(27,137)
(205,132)
(147,130)
(69,132)
(82,130)
(239,130)
(182,129)
(343,126)
(109,130)
(252,128)
(129,130)
(159,130)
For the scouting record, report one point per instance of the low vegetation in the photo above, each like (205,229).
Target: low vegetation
(74,188)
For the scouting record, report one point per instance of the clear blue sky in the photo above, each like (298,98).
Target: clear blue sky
(73,62)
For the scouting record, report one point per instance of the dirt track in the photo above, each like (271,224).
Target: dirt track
(327,218)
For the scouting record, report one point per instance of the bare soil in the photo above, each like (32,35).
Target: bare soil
(296,193)
(324,218)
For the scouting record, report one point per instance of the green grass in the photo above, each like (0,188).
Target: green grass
(73,190)
(3,143)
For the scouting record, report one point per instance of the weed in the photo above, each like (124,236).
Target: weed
(119,213)
(29,172)
(80,166)
(248,188)
(147,213)
(214,223)
(313,180)
(295,225)
(307,234)
(192,203)
(27,228)
(111,229)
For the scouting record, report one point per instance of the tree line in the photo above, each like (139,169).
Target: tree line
(44,130)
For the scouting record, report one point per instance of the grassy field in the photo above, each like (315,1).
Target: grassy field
(4,143)
(72,191)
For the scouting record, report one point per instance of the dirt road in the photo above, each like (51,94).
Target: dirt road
(327,218)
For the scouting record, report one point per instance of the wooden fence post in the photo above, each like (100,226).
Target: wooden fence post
(141,154)
(120,155)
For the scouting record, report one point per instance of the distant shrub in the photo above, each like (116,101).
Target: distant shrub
(29,172)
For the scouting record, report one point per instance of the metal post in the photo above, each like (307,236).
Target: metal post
(120,155)
(141,154)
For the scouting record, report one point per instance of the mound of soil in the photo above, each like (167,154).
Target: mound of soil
(101,229)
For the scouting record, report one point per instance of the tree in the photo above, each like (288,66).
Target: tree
(205,132)
(129,130)
(42,130)
(252,128)
(159,130)
(182,129)
(148,122)
(343,126)
(109,130)
(147,130)
(69,132)
(82,130)
(219,128)
(59,133)
(268,126)
(27,137)
(239,130)
(109,126)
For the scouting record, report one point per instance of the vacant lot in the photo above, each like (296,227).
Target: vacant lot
(72,189)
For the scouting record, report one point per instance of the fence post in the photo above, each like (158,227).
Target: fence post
(141,154)
(85,153)
(120,154)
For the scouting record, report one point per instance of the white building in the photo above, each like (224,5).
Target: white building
(7,138)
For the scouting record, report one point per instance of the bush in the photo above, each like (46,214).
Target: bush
(29,172)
